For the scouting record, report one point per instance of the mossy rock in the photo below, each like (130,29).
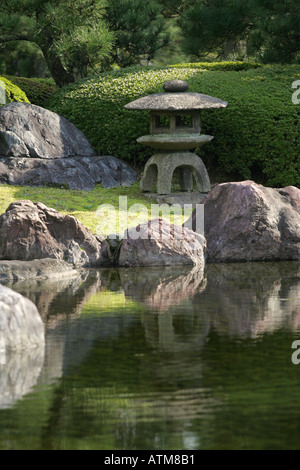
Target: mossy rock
(38,90)
(12,92)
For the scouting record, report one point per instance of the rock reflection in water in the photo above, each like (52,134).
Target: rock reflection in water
(58,299)
(19,373)
(160,289)
(180,309)
(250,299)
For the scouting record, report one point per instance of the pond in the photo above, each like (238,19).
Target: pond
(159,359)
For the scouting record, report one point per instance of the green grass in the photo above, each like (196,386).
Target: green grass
(84,205)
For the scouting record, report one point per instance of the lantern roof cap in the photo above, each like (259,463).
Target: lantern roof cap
(176,98)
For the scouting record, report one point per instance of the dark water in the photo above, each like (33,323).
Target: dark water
(159,359)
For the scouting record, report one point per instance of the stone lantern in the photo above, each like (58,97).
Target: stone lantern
(175,129)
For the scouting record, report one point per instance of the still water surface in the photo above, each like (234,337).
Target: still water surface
(159,359)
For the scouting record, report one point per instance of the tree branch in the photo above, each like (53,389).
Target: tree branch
(16,37)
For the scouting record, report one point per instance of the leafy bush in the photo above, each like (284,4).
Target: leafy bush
(12,92)
(256,136)
(38,90)
(225,66)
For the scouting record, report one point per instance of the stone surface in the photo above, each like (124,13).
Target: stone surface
(40,148)
(175,141)
(37,269)
(161,167)
(158,243)
(188,198)
(245,221)
(31,231)
(21,326)
(175,86)
(81,173)
(28,130)
(177,102)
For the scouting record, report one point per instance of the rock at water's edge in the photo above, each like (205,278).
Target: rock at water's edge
(31,231)
(158,243)
(245,221)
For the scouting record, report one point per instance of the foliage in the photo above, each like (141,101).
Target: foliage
(206,26)
(76,37)
(12,91)
(269,29)
(38,90)
(71,34)
(225,65)
(276,34)
(23,59)
(139,29)
(257,136)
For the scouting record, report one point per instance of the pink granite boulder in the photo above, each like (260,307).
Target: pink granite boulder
(158,243)
(245,221)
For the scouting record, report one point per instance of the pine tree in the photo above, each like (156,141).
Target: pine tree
(139,28)
(270,28)
(209,24)
(72,35)
(276,36)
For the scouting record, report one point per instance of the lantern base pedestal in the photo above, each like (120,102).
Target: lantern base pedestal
(161,167)
(181,199)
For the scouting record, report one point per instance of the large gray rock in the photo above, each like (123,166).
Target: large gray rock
(158,243)
(39,147)
(31,231)
(245,221)
(21,326)
(81,173)
(27,130)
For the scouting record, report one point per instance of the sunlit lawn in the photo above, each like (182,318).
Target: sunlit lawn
(127,206)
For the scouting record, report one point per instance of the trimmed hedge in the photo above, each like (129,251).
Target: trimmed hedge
(225,66)
(38,90)
(13,92)
(256,136)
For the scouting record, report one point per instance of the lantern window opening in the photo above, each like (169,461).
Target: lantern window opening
(172,123)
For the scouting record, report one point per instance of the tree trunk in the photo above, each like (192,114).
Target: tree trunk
(60,75)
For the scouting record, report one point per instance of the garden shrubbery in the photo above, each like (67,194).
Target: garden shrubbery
(225,66)
(38,90)
(13,92)
(256,136)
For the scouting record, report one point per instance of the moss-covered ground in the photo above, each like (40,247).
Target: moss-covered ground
(100,210)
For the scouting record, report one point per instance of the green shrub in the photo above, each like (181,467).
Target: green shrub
(38,90)
(225,66)
(13,92)
(256,136)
